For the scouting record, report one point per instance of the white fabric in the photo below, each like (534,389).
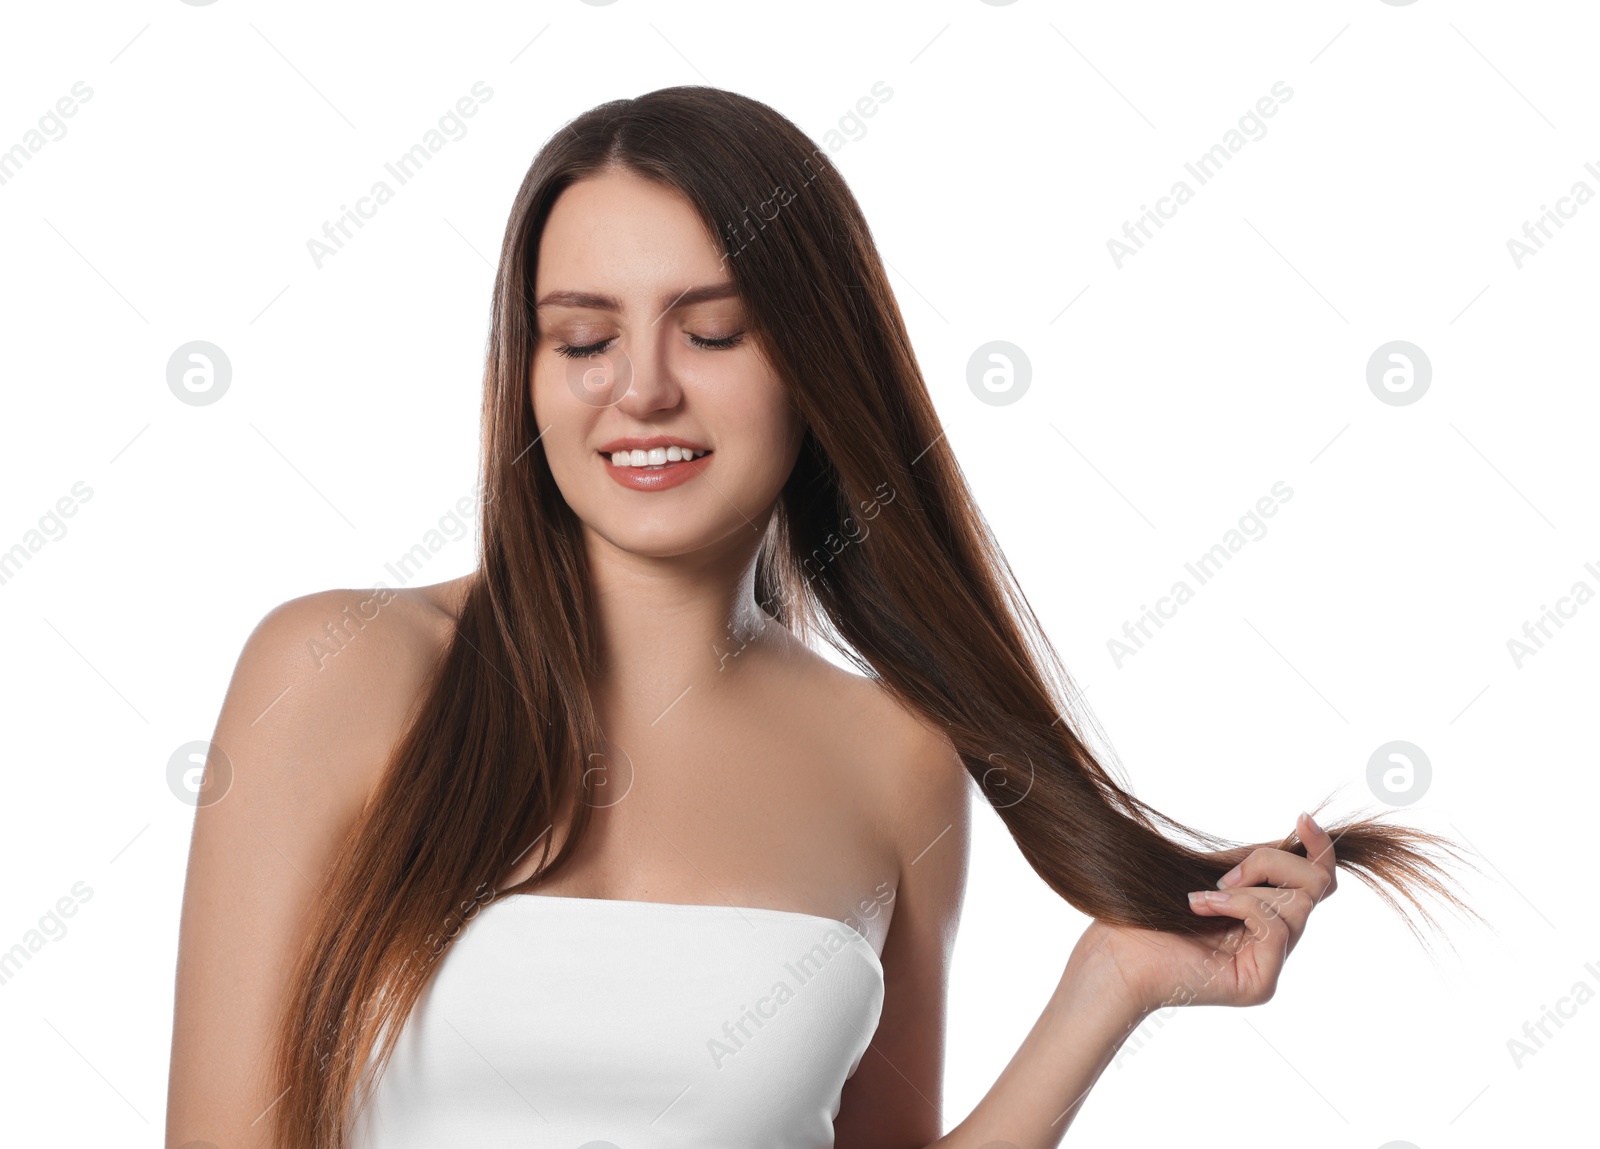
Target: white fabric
(591,1022)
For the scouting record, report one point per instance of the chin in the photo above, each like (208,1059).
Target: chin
(660,537)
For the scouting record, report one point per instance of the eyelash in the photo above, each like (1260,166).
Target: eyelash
(589,349)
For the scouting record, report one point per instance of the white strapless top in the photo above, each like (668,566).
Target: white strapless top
(592,1023)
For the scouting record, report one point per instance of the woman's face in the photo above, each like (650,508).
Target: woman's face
(643,357)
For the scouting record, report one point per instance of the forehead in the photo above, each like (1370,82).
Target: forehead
(621,233)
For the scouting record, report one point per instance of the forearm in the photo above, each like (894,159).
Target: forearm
(1045,1084)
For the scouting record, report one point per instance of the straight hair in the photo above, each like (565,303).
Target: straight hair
(505,736)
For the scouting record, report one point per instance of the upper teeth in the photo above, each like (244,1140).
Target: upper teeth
(654,457)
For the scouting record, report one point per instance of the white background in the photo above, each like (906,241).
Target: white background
(1166,400)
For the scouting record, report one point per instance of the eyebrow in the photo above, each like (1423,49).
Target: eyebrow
(685,298)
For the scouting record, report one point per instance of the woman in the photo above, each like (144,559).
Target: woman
(592,839)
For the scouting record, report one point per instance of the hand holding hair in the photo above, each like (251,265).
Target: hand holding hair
(1119,975)
(1271,894)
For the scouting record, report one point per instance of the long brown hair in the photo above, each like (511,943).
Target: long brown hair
(505,732)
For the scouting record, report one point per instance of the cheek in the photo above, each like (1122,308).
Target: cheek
(540,391)
(561,420)
(770,417)
(788,431)
(554,401)
(777,448)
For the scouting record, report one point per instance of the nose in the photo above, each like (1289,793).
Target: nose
(653,385)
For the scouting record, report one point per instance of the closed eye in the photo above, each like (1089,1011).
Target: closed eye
(588,349)
(718,344)
(581,352)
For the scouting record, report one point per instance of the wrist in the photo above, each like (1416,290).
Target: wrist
(1094,974)
(1094,983)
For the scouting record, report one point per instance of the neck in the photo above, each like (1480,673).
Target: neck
(670,623)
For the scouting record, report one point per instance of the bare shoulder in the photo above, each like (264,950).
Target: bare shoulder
(343,669)
(921,788)
(918,782)
(323,688)
(926,795)
(910,749)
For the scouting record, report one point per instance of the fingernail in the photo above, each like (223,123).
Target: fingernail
(1197,897)
(1230,878)
(1314,825)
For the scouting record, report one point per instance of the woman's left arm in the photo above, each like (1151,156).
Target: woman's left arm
(895,1098)
(1115,977)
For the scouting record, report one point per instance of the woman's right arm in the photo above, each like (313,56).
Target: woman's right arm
(306,734)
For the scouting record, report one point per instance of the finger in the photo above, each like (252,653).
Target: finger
(1263,929)
(1260,907)
(1268,903)
(1266,866)
(1319,848)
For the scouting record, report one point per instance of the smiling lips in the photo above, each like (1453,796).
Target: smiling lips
(654,463)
